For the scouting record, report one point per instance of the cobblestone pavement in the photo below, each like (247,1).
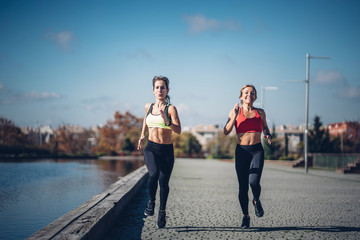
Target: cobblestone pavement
(203,204)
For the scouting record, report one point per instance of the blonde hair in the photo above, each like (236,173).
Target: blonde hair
(248,85)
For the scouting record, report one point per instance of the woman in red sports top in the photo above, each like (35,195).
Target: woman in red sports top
(249,123)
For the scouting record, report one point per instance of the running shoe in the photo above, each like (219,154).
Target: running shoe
(259,211)
(149,210)
(245,222)
(161,219)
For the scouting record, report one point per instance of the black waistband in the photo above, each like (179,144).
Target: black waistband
(159,145)
(257,146)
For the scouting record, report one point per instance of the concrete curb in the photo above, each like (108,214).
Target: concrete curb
(94,218)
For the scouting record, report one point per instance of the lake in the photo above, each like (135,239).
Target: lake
(34,193)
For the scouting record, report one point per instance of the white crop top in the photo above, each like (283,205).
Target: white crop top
(156,121)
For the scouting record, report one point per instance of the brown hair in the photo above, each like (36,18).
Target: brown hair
(247,85)
(166,81)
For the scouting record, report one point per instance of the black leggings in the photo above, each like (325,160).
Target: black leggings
(249,163)
(159,160)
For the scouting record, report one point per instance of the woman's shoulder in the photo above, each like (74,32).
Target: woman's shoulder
(172,108)
(147,106)
(260,111)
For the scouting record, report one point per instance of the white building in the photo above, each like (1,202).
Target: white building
(295,135)
(205,133)
(40,135)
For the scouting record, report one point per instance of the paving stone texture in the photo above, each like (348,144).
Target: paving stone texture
(203,204)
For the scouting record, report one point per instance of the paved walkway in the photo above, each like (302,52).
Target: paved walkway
(203,204)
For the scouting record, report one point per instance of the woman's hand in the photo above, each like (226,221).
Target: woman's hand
(139,142)
(234,112)
(165,117)
(268,138)
(231,119)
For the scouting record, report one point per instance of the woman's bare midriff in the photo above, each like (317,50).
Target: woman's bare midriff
(248,138)
(160,135)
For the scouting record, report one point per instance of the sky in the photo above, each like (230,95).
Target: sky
(77,62)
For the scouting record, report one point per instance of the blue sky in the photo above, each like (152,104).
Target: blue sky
(77,62)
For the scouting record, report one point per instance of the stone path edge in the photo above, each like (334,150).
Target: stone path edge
(94,218)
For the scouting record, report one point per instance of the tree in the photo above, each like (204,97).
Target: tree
(319,140)
(115,132)
(69,142)
(226,146)
(128,146)
(10,134)
(133,135)
(286,145)
(186,145)
(14,143)
(107,139)
(274,150)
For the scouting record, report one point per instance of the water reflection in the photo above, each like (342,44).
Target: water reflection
(36,192)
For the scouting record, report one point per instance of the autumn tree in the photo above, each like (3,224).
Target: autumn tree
(14,143)
(107,139)
(115,132)
(70,142)
(10,134)
(132,138)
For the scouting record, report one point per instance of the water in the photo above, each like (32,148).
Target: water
(35,193)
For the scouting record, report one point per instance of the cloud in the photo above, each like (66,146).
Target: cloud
(1,86)
(329,78)
(183,109)
(100,99)
(199,24)
(63,39)
(41,95)
(11,98)
(92,107)
(350,92)
(136,54)
(102,103)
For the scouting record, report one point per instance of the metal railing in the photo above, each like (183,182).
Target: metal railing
(333,161)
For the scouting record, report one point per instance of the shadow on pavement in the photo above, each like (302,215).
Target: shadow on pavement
(268,229)
(125,229)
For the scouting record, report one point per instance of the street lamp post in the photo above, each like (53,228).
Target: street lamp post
(216,140)
(307,81)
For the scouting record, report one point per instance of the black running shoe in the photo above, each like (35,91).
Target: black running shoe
(259,211)
(245,222)
(161,219)
(149,211)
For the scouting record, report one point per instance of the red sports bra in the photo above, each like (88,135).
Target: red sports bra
(243,124)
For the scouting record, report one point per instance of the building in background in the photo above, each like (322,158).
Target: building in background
(295,135)
(345,130)
(204,133)
(38,136)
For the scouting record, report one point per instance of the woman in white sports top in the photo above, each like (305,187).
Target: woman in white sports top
(161,120)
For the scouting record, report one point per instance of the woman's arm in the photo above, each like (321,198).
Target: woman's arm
(142,136)
(265,128)
(175,124)
(231,119)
